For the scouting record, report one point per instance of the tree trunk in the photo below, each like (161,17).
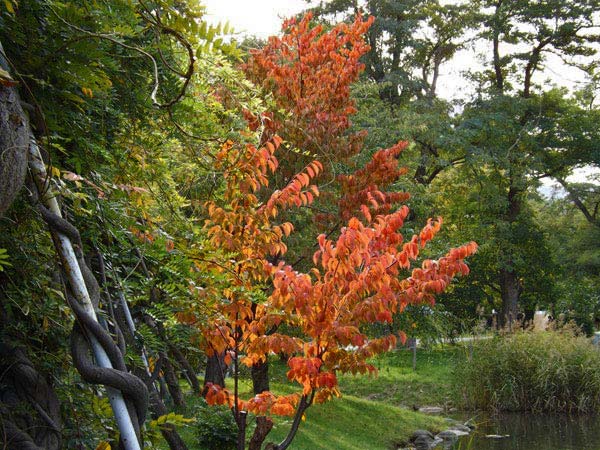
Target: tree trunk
(499,78)
(157,408)
(186,368)
(14,142)
(215,370)
(29,407)
(260,383)
(172,381)
(509,289)
(509,280)
(156,405)
(260,377)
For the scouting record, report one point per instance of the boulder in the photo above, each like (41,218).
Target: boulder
(450,435)
(431,409)
(461,427)
(422,439)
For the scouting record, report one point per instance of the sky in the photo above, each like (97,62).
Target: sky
(257,17)
(263,18)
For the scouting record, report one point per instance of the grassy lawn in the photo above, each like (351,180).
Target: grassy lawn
(398,385)
(351,423)
(347,423)
(374,412)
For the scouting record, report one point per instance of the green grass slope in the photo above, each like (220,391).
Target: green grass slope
(351,423)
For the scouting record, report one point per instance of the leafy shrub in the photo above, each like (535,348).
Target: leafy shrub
(216,428)
(580,302)
(554,371)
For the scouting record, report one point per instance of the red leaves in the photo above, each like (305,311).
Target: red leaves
(305,371)
(362,188)
(326,380)
(429,231)
(310,71)
(293,193)
(357,278)
(265,403)
(216,395)
(282,408)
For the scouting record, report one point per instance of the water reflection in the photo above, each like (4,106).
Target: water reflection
(533,432)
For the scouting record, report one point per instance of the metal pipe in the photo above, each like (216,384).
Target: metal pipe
(66,252)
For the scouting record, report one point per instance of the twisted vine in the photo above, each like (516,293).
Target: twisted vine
(134,390)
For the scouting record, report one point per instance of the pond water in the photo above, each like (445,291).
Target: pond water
(533,432)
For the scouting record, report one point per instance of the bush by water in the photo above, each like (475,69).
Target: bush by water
(554,371)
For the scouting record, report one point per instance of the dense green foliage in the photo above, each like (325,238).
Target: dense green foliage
(215,427)
(552,371)
(137,104)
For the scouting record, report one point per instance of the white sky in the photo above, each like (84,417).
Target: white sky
(253,17)
(263,18)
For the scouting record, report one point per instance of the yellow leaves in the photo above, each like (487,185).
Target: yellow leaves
(55,171)
(101,407)
(287,228)
(169,420)
(87,92)
(103,446)
(4,259)
(326,394)
(5,78)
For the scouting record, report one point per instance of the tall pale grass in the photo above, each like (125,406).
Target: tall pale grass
(553,371)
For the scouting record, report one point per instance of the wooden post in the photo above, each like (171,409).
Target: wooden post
(241,443)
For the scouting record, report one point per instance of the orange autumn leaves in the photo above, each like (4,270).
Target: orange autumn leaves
(310,72)
(261,404)
(363,275)
(362,187)
(357,278)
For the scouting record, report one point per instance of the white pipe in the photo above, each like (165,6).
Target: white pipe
(131,325)
(65,250)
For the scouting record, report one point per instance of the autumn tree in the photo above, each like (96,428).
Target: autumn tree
(363,264)
(356,279)
(309,71)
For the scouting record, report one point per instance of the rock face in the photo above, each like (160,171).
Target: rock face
(425,440)
(14,142)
